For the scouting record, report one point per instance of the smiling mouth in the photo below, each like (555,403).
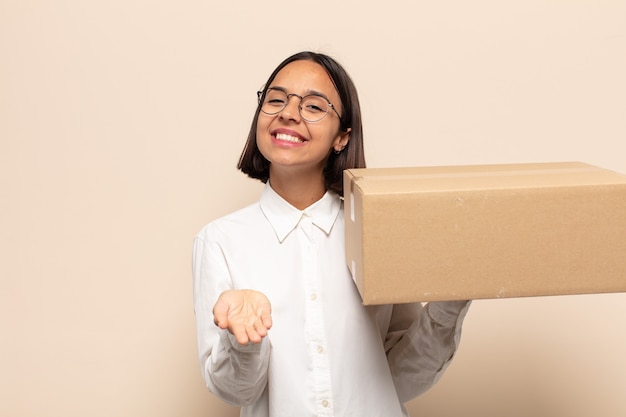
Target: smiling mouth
(288,138)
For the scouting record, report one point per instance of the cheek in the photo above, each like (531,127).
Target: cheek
(261,124)
(262,135)
(262,129)
(331,136)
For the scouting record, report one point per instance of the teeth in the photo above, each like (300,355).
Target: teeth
(286,137)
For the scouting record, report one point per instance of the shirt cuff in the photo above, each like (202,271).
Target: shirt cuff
(448,313)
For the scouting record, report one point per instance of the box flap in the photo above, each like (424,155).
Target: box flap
(480,177)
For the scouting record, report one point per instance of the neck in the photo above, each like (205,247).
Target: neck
(298,190)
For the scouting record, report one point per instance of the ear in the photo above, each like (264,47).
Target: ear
(342,139)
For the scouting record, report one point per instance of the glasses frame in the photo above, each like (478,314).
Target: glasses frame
(260,94)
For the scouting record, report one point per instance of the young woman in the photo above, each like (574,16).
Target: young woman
(280,324)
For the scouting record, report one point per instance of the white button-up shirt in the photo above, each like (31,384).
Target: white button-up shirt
(326,354)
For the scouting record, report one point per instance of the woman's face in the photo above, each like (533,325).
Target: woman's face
(285,139)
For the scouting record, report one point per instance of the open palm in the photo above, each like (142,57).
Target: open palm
(245,313)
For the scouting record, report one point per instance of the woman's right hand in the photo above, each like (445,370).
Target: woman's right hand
(245,313)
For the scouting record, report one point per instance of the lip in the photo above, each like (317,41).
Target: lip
(287,137)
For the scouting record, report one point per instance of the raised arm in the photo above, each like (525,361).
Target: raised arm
(233,346)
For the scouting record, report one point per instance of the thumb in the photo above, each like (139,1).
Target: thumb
(220,314)
(266,318)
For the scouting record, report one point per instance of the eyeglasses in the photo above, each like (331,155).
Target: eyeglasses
(312,107)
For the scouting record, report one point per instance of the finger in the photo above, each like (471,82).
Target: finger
(266,317)
(220,315)
(241,334)
(253,335)
(260,328)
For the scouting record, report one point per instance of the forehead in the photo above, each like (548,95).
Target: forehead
(304,77)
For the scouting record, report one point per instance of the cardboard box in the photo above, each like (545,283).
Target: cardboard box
(487,231)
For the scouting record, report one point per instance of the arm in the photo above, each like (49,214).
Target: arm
(236,372)
(421,344)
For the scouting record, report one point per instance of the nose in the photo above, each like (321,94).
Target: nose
(292,108)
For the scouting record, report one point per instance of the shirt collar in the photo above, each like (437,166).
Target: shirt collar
(284,217)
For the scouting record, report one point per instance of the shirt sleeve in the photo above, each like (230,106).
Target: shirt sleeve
(235,373)
(421,343)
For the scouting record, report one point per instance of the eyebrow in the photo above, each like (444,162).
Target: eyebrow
(306,93)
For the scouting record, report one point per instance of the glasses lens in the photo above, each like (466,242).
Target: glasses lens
(275,101)
(313,108)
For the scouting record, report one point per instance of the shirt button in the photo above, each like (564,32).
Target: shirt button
(313,297)
(325,403)
(320,349)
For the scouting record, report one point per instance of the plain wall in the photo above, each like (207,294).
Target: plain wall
(121,123)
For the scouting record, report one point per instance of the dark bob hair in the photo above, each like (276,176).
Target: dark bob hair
(254,164)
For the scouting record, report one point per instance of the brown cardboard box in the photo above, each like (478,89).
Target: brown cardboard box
(487,231)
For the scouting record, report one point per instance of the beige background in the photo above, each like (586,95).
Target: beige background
(120,126)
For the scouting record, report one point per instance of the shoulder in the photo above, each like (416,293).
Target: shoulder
(234,223)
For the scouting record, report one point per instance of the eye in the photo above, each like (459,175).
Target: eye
(275,98)
(314,104)
(313,108)
(276,101)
